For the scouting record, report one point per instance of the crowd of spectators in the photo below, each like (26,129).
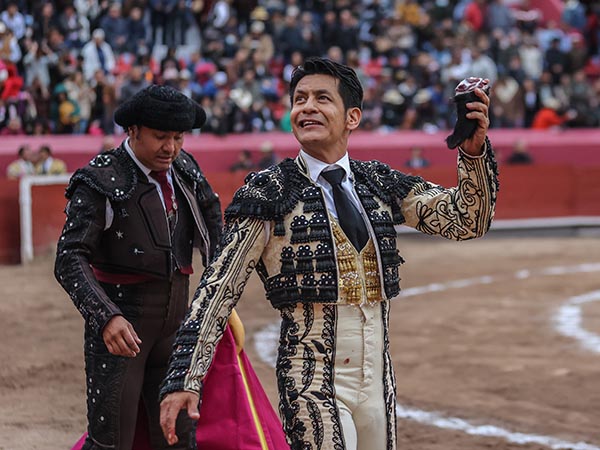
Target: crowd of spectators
(66,65)
(35,162)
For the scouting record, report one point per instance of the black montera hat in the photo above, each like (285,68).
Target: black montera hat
(162,108)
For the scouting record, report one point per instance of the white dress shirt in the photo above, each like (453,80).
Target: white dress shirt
(316,167)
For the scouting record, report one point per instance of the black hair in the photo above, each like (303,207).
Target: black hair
(349,86)
(45,148)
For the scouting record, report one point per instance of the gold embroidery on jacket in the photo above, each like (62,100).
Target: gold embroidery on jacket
(358,273)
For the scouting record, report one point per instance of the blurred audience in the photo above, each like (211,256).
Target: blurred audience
(552,115)
(97,55)
(268,156)
(23,165)
(40,162)
(520,154)
(244,162)
(416,160)
(236,58)
(48,164)
(108,143)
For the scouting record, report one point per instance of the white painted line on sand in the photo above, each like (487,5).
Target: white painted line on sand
(453,423)
(568,321)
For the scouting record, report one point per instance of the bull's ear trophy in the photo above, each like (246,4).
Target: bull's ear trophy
(464,93)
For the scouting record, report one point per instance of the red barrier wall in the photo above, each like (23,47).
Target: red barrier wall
(216,154)
(9,222)
(48,204)
(564,181)
(525,191)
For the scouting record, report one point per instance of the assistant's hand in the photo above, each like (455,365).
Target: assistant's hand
(479,112)
(169,410)
(120,337)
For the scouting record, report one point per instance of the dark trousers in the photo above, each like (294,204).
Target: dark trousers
(117,386)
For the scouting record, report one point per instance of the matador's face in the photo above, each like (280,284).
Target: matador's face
(319,119)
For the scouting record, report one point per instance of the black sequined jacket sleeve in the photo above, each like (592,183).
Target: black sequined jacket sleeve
(79,240)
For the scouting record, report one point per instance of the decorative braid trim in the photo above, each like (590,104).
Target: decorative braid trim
(389,381)
(181,358)
(269,194)
(115,175)
(112,174)
(384,182)
(490,158)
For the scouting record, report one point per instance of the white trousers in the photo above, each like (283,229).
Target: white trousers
(335,378)
(358,377)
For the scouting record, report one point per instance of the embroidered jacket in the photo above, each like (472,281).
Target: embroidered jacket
(296,260)
(138,240)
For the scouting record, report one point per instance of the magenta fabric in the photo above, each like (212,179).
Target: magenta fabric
(226,421)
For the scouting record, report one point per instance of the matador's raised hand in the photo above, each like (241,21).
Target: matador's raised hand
(472,123)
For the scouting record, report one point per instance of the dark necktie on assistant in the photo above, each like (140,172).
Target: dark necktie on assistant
(348,215)
(167,190)
(171,208)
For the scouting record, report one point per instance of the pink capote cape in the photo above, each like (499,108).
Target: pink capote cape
(226,418)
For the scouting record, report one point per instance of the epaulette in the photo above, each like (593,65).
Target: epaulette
(386,183)
(112,174)
(115,175)
(269,194)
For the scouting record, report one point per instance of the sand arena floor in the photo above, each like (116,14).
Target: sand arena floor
(496,344)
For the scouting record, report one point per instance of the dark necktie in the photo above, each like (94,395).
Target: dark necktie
(101,57)
(165,187)
(348,215)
